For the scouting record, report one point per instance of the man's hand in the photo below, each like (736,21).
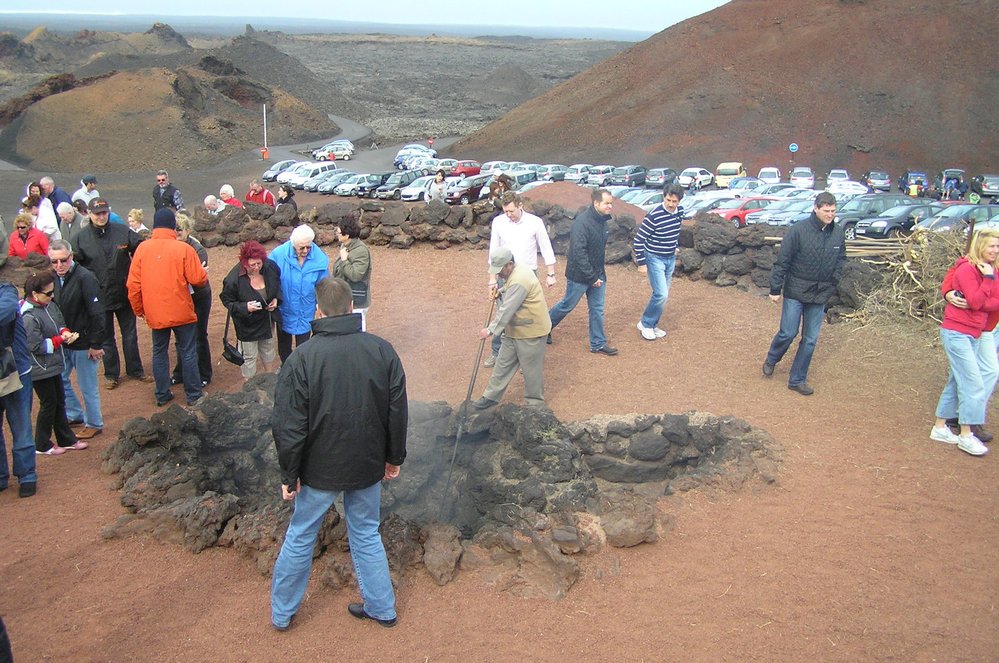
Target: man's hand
(550,280)
(391,471)
(953,298)
(484,333)
(598,283)
(95,354)
(288,493)
(643,269)
(493,290)
(775,298)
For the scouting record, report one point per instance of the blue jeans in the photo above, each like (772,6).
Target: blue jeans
(988,361)
(795,315)
(187,349)
(660,270)
(594,302)
(294,563)
(17,406)
(86,375)
(965,395)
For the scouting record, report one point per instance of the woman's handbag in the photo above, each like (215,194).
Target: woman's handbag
(229,351)
(10,379)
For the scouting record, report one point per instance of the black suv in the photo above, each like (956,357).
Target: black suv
(366,188)
(897,220)
(864,207)
(395,184)
(628,175)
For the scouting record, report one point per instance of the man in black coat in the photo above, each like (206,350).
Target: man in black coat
(584,269)
(166,194)
(810,264)
(106,249)
(339,424)
(79,298)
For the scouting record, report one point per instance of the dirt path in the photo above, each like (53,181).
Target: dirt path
(877,544)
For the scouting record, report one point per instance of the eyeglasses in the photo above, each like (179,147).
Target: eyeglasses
(59,261)
(161,180)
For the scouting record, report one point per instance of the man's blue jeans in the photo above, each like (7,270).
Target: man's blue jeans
(187,348)
(594,302)
(795,315)
(965,395)
(294,563)
(660,270)
(86,375)
(17,406)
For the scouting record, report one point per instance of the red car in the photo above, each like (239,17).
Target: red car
(466,168)
(735,210)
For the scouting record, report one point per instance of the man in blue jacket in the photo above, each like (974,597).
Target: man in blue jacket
(339,424)
(17,404)
(810,264)
(584,269)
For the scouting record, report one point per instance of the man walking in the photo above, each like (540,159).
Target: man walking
(166,194)
(339,425)
(16,404)
(106,249)
(810,264)
(159,288)
(525,235)
(584,271)
(523,321)
(79,298)
(53,193)
(655,253)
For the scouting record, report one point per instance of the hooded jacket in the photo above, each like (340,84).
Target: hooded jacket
(298,286)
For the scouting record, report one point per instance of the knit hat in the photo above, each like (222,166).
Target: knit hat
(165,218)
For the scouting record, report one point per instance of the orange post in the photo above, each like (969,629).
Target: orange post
(265,154)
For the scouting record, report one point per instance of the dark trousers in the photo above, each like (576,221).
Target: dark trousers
(284,340)
(51,414)
(129,345)
(202,309)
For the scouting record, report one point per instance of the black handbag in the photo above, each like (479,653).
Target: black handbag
(229,351)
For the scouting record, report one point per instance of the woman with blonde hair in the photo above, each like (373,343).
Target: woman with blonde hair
(135,218)
(966,393)
(202,297)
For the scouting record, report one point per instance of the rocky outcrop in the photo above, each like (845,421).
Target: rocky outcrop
(522,496)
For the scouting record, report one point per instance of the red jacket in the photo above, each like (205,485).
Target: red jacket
(265,197)
(36,242)
(981,293)
(160,279)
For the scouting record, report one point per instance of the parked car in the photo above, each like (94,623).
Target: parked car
(702,176)
(632,175)
(866,206)
(336,178)
(342,143)
(368,184)
(697,205)
(417,189)
(990,185)
(660,177)
(492,167)
(837,175)
(772,189)
(773,214)
(271,173)
(283,176)
(845,186)
(802,176)
(414,149)
(577,172)
(521,177)
(313,183)
(957,217)
(913,177)
(631,193)
(741,187)
(795,192)
(647,199)
(302,174)
(897,220)
(736,209)
(393,186)
(338,151)
(727,171)
(599,175)
(769,174)
(467,189)
(879,180)
(529,186)
(466,167)
(349,186)
(553,172)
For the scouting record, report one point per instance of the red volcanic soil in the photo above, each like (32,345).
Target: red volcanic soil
(856,83)
(876,543)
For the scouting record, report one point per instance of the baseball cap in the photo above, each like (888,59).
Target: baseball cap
(499,259)
(89,179)
(99,205)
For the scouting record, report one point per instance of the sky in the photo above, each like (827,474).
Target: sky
(648,16)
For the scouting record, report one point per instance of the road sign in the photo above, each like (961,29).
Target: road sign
(793,147)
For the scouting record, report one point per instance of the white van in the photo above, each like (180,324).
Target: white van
(728,171)
(770,175)
(308,171)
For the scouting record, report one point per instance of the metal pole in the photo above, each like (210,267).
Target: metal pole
(265,125)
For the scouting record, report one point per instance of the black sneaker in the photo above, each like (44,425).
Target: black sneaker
(357,610)
(161,403)
(768,369)
(802,389)
(606,350)
(27,489)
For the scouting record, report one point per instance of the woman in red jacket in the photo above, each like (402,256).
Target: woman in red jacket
(26,238)
(966,393)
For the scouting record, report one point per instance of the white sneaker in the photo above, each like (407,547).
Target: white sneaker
(660,333)
(943,435)
(647,334)
(971,445)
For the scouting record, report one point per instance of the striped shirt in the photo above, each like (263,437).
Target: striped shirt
(658,233)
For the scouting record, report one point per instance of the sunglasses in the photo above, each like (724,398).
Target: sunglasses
(47,293)
(22,227)
(161,181)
